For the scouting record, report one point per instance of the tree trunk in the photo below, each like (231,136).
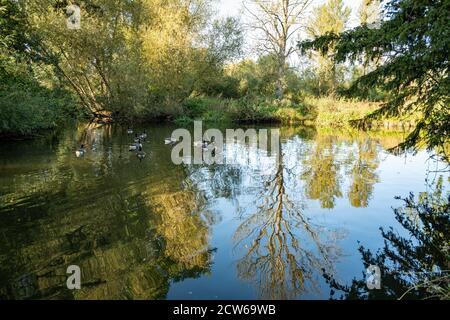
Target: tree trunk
(279,86)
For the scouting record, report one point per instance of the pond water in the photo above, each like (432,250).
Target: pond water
(252,228)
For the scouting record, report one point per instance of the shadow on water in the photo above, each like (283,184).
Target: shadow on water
(138,229)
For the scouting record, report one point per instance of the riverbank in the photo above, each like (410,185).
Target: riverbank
(322,112)
(313,111)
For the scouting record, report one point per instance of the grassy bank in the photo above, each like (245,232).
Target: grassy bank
(321,112)
(337,113)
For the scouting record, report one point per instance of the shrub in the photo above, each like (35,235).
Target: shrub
(26,108)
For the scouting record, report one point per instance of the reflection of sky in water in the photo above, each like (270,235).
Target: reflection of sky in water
(396,176)
(253,228)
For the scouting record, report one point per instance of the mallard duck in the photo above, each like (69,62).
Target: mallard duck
(130,131)
(170,140)
(140,154)
(80,152)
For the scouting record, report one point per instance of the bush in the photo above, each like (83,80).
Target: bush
(294,115)
(26,108)
(251,109)
(205,108)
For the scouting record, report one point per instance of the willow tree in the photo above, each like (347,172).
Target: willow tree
(277,21)
(412,42)
(128,58)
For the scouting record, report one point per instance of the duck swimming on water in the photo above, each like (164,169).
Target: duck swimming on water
(201,144)
(143,135)
(137,138)
(135,146)
(140,154)
(170,140)
(80,152)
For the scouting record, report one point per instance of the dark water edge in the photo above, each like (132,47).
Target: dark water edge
(153,230)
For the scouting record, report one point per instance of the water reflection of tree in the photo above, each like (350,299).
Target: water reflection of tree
(322,170)
(321,173)
(363,173)
(414,267)
(132,233)
(283,248)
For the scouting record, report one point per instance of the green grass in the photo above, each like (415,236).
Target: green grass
(244,110)
(338,112)
(322,112)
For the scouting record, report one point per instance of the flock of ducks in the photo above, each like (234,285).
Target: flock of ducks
(204,144)
(137,146)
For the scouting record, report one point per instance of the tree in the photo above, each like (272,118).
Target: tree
(277,21)
(132,58)
(27,104)
(413,44)
(332,17)
(369,15)
(221,43)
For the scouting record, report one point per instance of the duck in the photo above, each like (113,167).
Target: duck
(80,152)
(143,135)
(210,151)
(209,146)
(201,144)
(140,154)
(137,139)
(130,131)
(135,146)
(170,140)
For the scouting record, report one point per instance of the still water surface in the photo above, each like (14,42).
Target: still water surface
(154,230)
